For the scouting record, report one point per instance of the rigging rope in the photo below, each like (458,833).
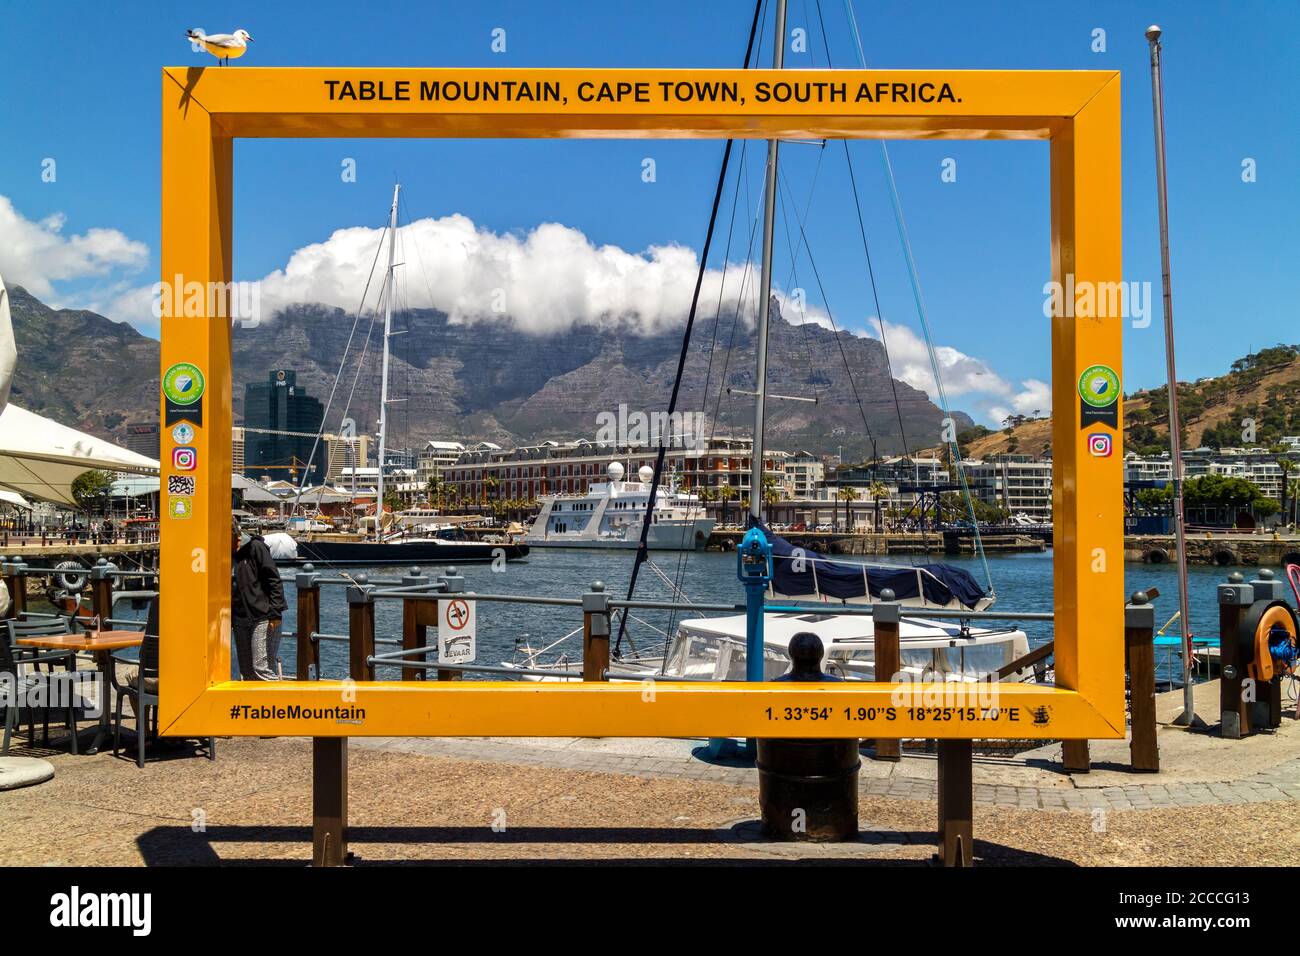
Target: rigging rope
(923,314)
(641,551)
(338,375)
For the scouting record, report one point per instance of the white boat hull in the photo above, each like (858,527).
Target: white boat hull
(665,536)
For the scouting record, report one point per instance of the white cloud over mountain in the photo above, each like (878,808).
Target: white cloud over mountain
(547,279)
(962,375)
(37,254)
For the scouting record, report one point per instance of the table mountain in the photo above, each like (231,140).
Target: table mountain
(488,380)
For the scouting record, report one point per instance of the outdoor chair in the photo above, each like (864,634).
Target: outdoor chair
(20,669)
(38,627)
(142,689)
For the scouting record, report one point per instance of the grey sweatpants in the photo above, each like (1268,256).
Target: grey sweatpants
(257,646)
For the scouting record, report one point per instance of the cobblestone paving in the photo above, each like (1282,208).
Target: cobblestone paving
(1279,782)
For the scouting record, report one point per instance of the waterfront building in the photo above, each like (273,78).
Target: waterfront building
(1018,483)
(345,453)
(436,458)
(1258,465)
(1147,468)
(487,472)
(804,472)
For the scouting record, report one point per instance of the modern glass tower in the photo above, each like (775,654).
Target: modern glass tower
(280,425)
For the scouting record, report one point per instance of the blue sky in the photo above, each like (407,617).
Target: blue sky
(91,104)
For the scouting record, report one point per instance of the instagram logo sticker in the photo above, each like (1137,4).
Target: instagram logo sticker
(183,459)
(1100,445)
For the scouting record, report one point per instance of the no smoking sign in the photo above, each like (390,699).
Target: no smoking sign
(457,627)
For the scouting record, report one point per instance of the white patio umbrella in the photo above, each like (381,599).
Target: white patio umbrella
(39,458)
(8,350)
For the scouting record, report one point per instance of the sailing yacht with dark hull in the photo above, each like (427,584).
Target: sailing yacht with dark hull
(402,550)
(413,547)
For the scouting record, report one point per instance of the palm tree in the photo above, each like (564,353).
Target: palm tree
(847,494)
(490,485)
(705,494)
(771,492)
(726,493)
(878,491)
(436,490)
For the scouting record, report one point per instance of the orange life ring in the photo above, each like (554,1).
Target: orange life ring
(1273,614)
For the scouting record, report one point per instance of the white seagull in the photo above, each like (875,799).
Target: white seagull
(224,46)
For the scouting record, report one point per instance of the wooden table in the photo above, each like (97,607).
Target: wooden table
(101,644)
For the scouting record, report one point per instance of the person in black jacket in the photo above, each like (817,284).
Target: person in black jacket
(256,606)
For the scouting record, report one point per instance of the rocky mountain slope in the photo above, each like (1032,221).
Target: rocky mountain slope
(489,380)
(1254,404)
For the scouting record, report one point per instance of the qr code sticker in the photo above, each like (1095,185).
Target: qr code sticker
(180,484)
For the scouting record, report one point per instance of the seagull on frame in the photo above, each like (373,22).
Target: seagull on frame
(224,46)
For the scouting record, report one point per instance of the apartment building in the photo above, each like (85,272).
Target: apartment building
(487,471)
(1018,483)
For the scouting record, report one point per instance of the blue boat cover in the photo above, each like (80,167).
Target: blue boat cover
(792,573)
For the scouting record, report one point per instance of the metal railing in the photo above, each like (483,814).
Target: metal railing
(415,590)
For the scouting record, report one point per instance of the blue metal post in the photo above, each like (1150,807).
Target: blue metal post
(754,568)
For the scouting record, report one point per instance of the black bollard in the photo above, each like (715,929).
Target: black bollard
(808,789)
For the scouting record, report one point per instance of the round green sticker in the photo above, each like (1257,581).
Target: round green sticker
(183,383)
(1099,386)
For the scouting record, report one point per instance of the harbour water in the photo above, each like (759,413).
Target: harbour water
(1023,583)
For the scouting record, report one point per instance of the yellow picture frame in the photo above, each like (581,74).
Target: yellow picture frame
(205,110)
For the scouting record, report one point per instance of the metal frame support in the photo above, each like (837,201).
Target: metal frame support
(414,630)
(1140,658)
(1234,714)
(1266,587)
(595,633)
(956,803)
(1074,756)
(307,585)
(101,591)
(887,616)
(452,582)
(361,628)
(329,801)
(754,568)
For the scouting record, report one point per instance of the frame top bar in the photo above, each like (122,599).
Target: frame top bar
(420,102)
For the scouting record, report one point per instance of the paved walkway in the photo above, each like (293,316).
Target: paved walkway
(1198,768)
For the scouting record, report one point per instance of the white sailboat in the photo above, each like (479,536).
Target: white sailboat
(393,545)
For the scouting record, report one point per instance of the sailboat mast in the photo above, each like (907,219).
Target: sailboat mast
(1188,716)
(765,289)
(383,387)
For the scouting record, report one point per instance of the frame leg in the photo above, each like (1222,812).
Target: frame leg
(956,799)
(329,800)
(1074,756)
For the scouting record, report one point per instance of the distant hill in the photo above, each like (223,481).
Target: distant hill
(1263,386)
(82,369)
(489,380)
